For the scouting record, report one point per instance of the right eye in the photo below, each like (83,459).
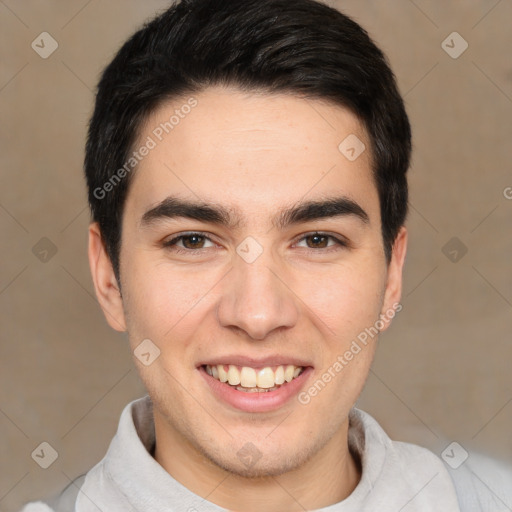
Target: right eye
(190,242)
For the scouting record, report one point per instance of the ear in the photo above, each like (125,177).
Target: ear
(391,304)
(105,282)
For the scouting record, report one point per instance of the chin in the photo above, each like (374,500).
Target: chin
(252,463)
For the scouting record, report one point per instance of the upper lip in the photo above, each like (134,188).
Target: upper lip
(255,362)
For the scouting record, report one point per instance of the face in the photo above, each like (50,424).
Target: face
(252,250)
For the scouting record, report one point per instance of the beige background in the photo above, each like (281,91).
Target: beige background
(442,372)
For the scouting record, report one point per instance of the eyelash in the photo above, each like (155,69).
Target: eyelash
(171,244)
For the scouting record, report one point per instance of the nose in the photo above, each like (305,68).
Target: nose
(257,299)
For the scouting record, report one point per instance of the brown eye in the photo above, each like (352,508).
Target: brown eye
(317,241)
(193,241)
(190,242)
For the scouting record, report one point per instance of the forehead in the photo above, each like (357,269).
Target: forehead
(252,151)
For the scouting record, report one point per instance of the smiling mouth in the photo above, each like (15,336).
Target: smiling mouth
(252,380)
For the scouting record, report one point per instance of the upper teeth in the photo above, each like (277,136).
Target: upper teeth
(250,378)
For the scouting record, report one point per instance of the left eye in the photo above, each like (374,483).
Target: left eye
(320,241)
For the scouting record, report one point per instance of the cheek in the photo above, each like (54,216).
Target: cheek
(159,303)
(345,298)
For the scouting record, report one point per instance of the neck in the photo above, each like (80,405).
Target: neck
(328,477)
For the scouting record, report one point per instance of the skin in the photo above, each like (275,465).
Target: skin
(254,154)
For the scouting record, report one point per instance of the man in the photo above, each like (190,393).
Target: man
(246,166)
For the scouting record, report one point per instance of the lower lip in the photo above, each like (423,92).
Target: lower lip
(258,401)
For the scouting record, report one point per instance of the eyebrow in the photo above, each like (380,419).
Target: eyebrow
(174,207)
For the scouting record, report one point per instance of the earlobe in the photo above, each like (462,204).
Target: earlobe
(393,293)
(105,282)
